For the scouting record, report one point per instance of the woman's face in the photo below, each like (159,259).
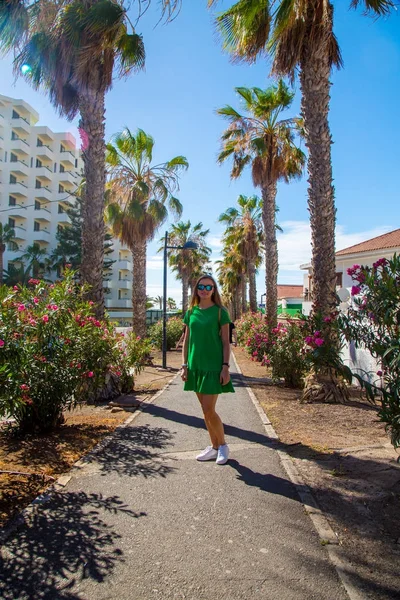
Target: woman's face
(202,286)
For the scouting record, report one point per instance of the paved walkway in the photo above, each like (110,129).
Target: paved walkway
(141,519)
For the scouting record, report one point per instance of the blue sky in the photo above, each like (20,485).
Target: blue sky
(187,77)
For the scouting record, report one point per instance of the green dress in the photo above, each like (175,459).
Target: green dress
(205,356)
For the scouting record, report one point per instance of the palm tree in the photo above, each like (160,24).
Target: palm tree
(7,238)
(171,304)
(230,277)
(35,257)
(245,230)
(260,139)
(140,194)
(300,35)
(187,263)
(159,300)
(72,49)
(15,275)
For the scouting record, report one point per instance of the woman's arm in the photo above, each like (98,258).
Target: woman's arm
(185,351)
(226,348)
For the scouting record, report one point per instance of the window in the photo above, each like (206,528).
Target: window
(13,179)
(339,280)
(38,163)
(55,167)
(36,226)
(62,169)
(76,163)
(39,142)
(11,222)
(60,209)
(13,157)
(12,201)
(14,136)
(15,115)
(62,148)
(61,188)
(38,184)
(38,206)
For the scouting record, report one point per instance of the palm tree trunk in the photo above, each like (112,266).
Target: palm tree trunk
(236,305)
(252,287)
(271,253)
(92,122)
(315,85)
(139,288)
(244,293)
(185,289)
(323,383)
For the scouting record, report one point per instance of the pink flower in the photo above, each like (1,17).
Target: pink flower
(34,281)
(380,263)
(2,342)
(24,386)
(255,353)
(32,322)
(379,373)
(138,337)
(355,290)
(91,303)
(21,307)
(54,307)
(327,319)
(308,339)
(318,341)
(45,318)
(89,374)
(36,300)
(97,323)
(15,288)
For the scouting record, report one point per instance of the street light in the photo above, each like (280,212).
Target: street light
(261,299)
(187,246)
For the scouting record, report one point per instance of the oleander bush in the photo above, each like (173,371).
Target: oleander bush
(174,332)
(54,353)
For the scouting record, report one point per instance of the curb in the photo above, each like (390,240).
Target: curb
(324,530)
(60,483)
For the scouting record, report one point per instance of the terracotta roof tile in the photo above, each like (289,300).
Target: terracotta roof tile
(382,242)
(289,291)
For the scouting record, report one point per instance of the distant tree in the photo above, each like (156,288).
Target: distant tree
(159,300)
(16,274)
(34,257)
(7,238)
(171,304)
(69,247)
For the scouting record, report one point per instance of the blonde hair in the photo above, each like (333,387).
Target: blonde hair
(216,298)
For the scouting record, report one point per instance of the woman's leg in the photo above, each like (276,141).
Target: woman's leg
(212,419)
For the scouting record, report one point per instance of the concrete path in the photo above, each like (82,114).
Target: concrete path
(141,519)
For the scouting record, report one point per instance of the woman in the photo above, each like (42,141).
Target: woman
(205,354)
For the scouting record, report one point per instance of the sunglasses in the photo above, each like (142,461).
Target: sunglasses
(202,287)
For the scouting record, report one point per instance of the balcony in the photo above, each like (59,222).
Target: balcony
(63,218)
(124,265)
(67,158)
(19,189)
(68,177)
(123,284)
(125,303)
(20,234)
(19,168)
(43,173)
(21,125)
(41,236)
(43,193)
(45,133)
(20,147)
(44,152)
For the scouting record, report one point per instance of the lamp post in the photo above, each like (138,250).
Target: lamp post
(187,246)
(261,299)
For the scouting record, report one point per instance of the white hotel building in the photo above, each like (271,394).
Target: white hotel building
(39,173)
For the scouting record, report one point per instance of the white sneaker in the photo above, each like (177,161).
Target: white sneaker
(223,454)
(208,453)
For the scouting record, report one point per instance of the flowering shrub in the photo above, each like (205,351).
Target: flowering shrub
(252,333)
(54,353)
(373,322)
(287,355)
(174,332)
(138,351)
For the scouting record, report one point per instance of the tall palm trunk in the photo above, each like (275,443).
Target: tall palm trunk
(315,85)
(2,250)
(185,289)
(323,383)
(244,293)
(271,253)
(92,122)
(252,287)
(236,305)
(139,287)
